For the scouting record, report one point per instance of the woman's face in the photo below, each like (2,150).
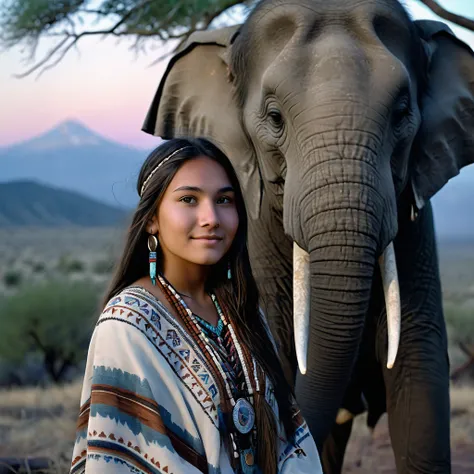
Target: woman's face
(197,219)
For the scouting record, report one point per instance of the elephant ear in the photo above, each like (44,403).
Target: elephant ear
(445,141)
(195,98)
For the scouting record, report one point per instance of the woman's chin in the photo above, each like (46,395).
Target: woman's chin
(208,259)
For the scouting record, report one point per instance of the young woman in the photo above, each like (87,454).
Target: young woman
(182,375)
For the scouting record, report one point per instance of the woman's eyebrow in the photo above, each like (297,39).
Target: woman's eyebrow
(195,189)
(226,189)
(188,188)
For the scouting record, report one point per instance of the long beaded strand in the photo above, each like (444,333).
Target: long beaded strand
(211,351)
(193,330)
(250,360)
(236,344)
(202,338)
(197,331)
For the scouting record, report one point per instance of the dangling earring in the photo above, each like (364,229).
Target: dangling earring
(229,273)
(152,246)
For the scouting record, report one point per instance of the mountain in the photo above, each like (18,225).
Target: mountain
(26,203)
(73,157)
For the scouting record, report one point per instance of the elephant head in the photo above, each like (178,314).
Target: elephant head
(330,111)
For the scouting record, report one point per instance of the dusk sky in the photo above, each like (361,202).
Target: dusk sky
(104,85)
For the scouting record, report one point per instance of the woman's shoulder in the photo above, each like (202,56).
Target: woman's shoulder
(133,300)
(131,323)
(130,311)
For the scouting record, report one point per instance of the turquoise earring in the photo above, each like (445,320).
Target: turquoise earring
(152,246)
(229,273)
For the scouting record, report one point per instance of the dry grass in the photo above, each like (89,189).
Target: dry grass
(37,422)
(462,416)
(50,431)
(41,397)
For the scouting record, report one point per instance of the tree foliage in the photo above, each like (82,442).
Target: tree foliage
(54,319)
(25,22)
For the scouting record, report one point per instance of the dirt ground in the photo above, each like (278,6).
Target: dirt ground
(37,423)
(373,454)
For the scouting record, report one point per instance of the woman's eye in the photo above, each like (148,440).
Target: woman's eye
(188,199)
(224,200)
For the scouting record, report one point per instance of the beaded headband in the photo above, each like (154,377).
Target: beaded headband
(158,166)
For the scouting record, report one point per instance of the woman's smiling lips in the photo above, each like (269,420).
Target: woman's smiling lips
(209,239)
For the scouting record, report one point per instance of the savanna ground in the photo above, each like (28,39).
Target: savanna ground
(40,421)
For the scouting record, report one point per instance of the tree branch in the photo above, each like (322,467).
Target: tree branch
(456,374)
(436,8)
(56,62)
(67,362)
(75,38)
(37,340)
(183,37)
(466,349)
(93,12)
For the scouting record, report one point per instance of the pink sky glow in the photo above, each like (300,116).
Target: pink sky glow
(104,86)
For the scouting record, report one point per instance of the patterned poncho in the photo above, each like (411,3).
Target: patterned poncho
(149,403)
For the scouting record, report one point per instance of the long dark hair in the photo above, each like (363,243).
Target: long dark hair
(239,296)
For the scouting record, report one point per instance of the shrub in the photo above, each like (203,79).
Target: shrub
(460,319)
(103,267)
(54,319)
(38,267)
(68,265)
(12,278)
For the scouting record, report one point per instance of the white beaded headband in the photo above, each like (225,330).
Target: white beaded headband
(158,166)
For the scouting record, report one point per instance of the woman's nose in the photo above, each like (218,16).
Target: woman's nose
(208,215)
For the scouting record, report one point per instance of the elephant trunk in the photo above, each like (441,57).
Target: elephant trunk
(302,303)
(345,225)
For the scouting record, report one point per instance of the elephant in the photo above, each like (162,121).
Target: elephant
(342,119)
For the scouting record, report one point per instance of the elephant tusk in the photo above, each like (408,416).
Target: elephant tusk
(301,304)
(391,288)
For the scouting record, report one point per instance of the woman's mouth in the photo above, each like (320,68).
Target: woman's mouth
(209,239)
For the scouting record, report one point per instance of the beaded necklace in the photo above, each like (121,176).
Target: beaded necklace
(217,331)
(221,342)
(243,433)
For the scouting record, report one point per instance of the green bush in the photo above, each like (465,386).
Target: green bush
(461,320)
(12,278)
(68,265)
(38,267)
(55,319)
(103,267)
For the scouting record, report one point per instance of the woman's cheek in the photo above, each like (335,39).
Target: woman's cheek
(180,220)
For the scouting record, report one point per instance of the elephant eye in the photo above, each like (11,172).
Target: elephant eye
(275,117)
(401,110)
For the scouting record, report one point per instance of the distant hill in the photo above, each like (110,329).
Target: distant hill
(26,203)
(73,157)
